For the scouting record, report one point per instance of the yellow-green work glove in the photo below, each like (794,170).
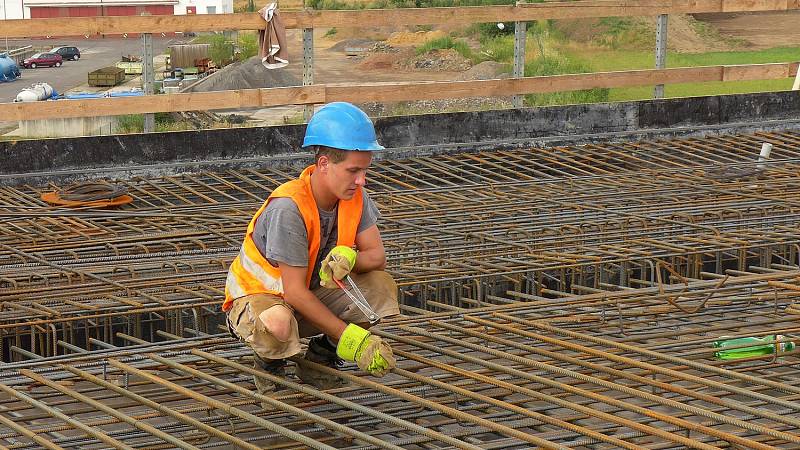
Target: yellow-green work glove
(369,352)
(339,262)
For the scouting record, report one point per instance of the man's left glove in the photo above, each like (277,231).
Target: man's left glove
(369,352)
(338,264)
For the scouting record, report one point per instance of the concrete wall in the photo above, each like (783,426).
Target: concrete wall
(156,153)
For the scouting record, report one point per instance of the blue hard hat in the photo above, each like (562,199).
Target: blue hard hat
(341,125)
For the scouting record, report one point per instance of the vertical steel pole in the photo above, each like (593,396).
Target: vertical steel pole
(308,67)
(148,76)
(661,50)
(520,34)
(5,17)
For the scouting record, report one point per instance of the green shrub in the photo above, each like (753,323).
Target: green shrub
(445,42)
(488,31)
(623,32)
(500,48)
(331,32)
(558,65)
(248,46)
(334,4)
(220,49)
(130,123)
(134,123)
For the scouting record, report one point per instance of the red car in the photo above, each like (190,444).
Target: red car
(42,60)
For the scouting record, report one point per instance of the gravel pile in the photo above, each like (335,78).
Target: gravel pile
(352,43)
(486,70)
(250,74)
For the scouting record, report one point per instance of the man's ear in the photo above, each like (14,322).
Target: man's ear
(323,163)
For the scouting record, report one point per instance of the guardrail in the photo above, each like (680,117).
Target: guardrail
(388,92)
(73,26)
(311,94)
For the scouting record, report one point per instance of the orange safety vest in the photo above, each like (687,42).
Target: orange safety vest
(251,273)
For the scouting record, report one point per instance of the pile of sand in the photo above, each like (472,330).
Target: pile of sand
(487,70)
(408,38)
(250,74)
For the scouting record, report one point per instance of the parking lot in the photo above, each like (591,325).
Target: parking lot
(95,53)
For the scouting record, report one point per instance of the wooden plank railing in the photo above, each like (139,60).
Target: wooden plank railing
(387,92)
(72,26)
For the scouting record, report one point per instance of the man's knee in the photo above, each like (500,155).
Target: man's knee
(278,322)
(380,290)
(377,282)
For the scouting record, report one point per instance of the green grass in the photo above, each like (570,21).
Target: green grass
(134,123)
(556,65)
(498,48)
(446,42)
(700,89)
(613,60)
(610,60)
(248,45)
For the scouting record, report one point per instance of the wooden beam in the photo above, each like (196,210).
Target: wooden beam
(76,26)
(386,92)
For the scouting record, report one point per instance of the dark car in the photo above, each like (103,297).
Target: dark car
(67,52)
(42,60)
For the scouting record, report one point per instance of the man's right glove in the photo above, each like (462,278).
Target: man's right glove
(369,352)
(338,264)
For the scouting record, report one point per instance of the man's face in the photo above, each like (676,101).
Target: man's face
(345,177)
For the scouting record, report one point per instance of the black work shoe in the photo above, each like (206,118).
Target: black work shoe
(276,367)
(322,352)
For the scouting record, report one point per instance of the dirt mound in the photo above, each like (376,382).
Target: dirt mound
(380,61)
(250,74)
(383,56)
(413,39)
(445,59)
(758,30)
(351,43)
(685,34)
(487,70)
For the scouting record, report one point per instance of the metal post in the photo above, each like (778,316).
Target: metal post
(5,17)
(308,67)
(661,50)
(148,76)
(520,33)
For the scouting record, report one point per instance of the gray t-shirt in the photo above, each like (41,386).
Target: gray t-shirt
(280,233)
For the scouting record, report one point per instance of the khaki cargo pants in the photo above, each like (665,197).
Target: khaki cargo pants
(378,287)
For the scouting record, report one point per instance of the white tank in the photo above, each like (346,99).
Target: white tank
(35,93)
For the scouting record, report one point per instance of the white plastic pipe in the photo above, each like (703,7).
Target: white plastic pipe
(766,148)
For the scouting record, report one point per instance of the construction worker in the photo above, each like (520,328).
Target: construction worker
(309,232)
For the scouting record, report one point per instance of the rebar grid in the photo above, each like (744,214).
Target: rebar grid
(629,368)
(543,222)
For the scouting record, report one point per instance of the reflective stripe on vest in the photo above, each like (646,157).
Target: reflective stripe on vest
(250,273)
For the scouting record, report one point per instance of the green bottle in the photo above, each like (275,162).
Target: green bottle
(750,346)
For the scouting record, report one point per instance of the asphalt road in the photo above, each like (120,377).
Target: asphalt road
(95,53)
